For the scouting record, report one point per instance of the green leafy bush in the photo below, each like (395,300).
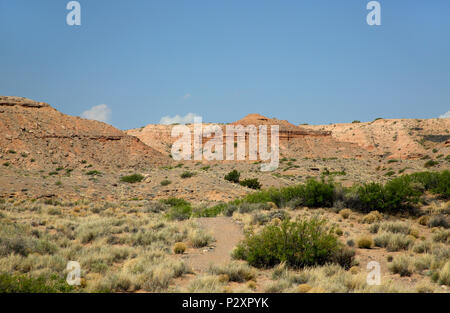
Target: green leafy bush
(430,163)
(135,178)
(233,176)
(299,243)
(312,194)
(251,183)
(180,209)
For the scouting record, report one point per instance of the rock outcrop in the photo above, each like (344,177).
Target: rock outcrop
(35,135)
(394,138)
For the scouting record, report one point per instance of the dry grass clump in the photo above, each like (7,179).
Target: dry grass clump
(402,265)
(179,248)
(393,242)
(235,271)
(365,242)
(199,238)
(422,247)
(345,213)
(209,284)
(442,236)
(372,217)
(396,227)
(444,274)
(438,221)
(423,220)
(303,288)
(425,286)
(439,208)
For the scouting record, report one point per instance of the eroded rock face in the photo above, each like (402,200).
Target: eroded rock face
(20,101)
(295,141)
(394,138)
(35,135)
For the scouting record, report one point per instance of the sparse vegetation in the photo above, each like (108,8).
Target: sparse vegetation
(135,178)
(251,183)
(233,176)
(187,174)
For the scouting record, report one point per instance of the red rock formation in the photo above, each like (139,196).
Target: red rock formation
(35,135)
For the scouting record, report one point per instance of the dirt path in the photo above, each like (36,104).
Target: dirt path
(227,234)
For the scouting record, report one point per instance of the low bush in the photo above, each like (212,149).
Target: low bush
(210,211)
(430,163)
(401,265)
(235,271)
(180,209)
(365,242)
(372,217)
(135,178)
(233,176)
(251,183)
(187,174)
(179,248)
(345,213)
(442,236)
(165,182)
(298,243)
(312,194)
(199,238)
(10,283)
(438,221)
(393,242)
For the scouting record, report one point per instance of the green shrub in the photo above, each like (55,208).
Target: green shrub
(94,173)
(300,243)
(233,176)
(210,211)
(135,178)
(251,183)
(187,174)
(398,194)
(180,209)
(10,283)
(318,194)
(430,163)
(165,182)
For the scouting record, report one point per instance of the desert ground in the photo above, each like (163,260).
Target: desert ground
(136,220)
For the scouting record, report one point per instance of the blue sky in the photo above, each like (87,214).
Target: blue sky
(311,61)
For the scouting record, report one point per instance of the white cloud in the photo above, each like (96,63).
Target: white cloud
(99,113)
(187,96)
(445,115)
(188,118)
